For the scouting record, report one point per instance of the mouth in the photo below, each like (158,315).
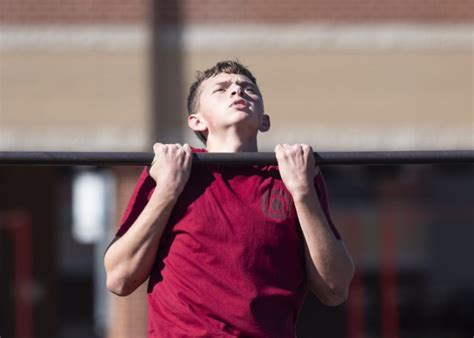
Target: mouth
(240,104)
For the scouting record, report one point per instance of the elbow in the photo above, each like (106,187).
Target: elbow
(337,297)
(331,294)
(334,296)
(337,293)
(116,280)
(118,286)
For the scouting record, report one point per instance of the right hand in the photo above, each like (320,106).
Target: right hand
(171,166)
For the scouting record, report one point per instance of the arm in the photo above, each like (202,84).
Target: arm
(129,259)
(328,264)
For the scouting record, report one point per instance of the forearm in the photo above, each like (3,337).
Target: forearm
(129,260)
(328,264)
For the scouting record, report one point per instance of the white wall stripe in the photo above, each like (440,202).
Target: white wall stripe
(225,37)
(324,138)
(73,139)
(369,138)
(106,37)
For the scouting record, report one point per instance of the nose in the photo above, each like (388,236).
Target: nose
(237,90)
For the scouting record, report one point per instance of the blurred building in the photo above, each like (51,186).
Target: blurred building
(340,75)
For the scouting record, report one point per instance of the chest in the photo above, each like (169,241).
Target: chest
(237,206)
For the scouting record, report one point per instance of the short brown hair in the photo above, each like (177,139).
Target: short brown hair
(229,67)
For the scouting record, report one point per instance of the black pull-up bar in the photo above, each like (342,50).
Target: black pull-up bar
(258,158)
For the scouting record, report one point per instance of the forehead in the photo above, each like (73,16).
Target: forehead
(224,77)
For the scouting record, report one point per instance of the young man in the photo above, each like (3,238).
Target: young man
(229,251)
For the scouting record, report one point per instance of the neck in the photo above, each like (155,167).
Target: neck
(231,143)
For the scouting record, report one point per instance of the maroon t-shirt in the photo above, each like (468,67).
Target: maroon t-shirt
(231,261)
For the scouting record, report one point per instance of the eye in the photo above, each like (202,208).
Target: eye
(251,91)
(218,90)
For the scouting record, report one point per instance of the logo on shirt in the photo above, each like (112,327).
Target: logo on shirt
(276,204)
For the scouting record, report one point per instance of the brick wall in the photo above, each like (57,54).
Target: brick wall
(72,11)
(209,11)
(277,11)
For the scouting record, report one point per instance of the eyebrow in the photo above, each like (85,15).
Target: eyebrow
(228,82)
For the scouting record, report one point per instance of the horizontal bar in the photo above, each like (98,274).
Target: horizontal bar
(258,158)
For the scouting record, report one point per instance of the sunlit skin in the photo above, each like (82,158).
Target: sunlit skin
(230,112)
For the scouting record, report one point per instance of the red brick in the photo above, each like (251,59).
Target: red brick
(212,11)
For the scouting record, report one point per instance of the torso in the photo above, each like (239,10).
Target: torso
(232,256)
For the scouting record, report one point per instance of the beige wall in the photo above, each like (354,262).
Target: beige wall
(332,98)
(76,99)
(334,86)
(362,96)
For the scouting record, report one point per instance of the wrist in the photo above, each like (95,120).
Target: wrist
(165,194)
(304,194)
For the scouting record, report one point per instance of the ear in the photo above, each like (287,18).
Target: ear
(196,122)
(265,124)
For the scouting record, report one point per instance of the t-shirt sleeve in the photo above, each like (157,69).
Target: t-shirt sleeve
(140,197)
(320,186)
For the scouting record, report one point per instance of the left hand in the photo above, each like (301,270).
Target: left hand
(297,167)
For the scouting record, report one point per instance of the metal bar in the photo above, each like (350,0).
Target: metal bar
(257,158)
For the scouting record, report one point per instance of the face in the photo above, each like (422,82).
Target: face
(227,100)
